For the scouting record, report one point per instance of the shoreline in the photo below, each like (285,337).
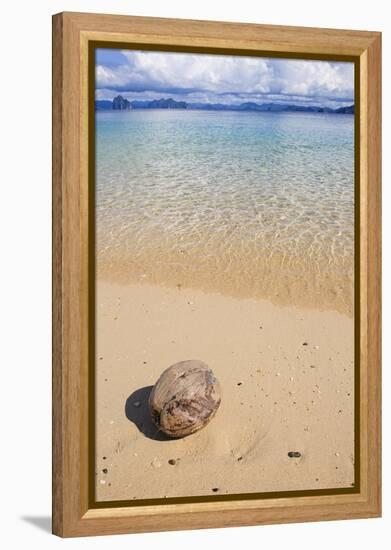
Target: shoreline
(297,293)
(287,377)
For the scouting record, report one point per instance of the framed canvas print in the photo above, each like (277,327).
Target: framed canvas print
(216,268)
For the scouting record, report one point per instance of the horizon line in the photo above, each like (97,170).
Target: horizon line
(350,102)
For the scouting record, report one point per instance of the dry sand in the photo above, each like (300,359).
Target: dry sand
(287,385)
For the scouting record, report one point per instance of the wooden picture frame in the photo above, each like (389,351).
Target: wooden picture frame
(74,512)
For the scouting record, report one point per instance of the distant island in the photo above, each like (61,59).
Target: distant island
(122,104)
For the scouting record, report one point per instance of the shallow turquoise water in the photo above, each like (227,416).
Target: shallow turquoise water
(250,204)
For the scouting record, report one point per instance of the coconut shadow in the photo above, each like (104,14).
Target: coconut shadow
(137,411)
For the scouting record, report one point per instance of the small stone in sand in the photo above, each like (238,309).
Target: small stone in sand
(136,404)
(215,489)
(239,458)
(312,366)
(172,461)
(105,470)
(294,454)
(239,383)
(305,343)
(102,482)
(104,457)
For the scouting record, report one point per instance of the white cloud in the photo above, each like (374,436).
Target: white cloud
(314,77)
(215,76)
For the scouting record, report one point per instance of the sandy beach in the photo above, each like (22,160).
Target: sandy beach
(287,386)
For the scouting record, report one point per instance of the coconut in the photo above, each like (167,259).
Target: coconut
(185,398)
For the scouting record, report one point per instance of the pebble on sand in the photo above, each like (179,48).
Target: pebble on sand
(172,461)
(294,454)
(215,489)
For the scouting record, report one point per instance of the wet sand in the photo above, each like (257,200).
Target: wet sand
(287,387)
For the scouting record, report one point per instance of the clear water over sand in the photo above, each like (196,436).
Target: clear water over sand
(245,204)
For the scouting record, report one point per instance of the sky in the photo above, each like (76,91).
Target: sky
(222,79)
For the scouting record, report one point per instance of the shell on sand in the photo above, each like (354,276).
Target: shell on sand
(185,398)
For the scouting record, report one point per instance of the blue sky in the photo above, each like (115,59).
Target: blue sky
(222,79)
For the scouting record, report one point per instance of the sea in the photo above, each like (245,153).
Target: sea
(254,205)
